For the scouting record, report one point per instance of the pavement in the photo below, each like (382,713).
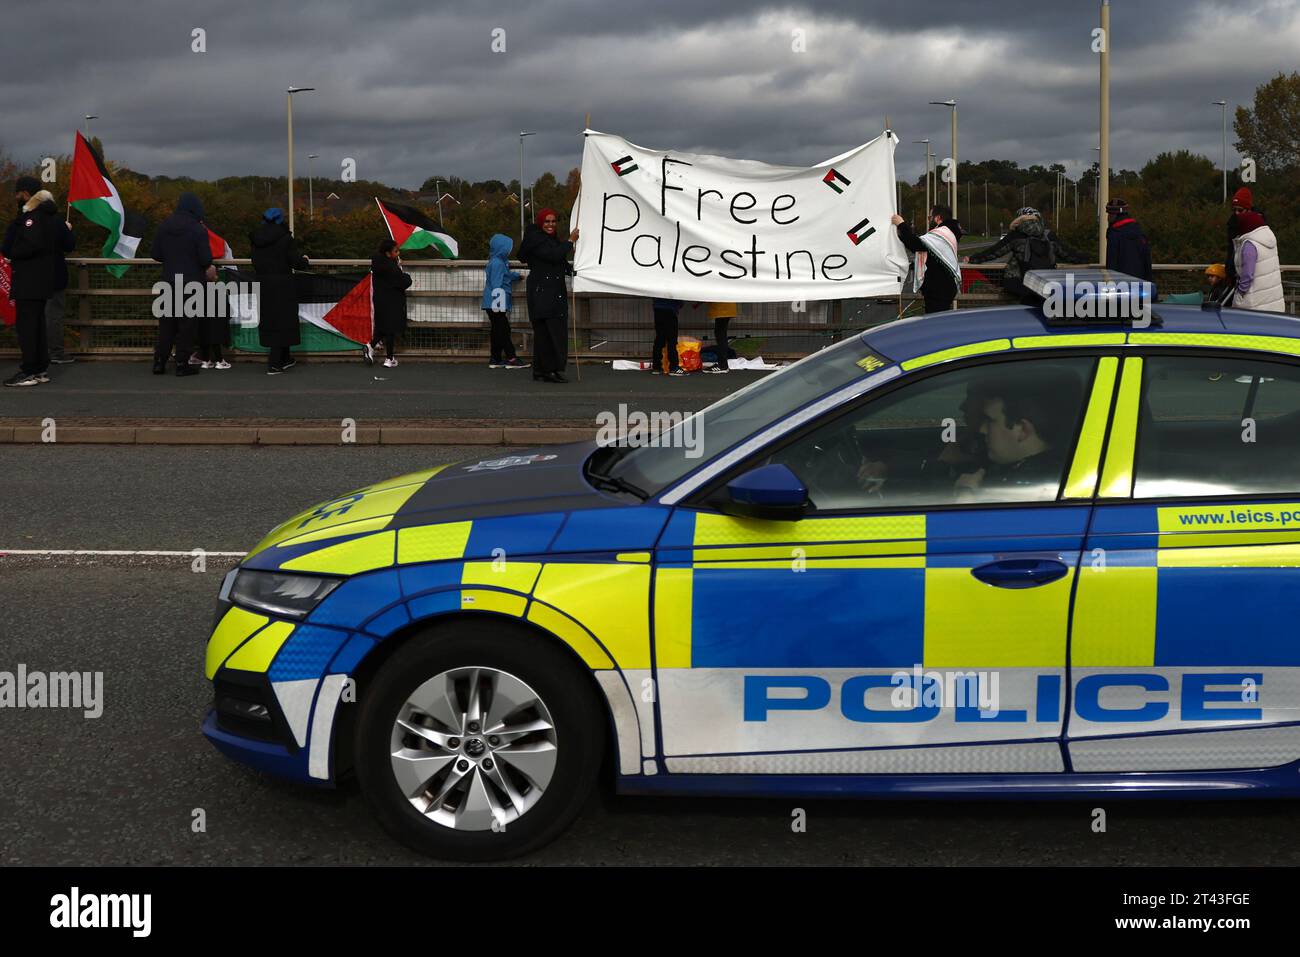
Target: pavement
(457,403)
(124,788)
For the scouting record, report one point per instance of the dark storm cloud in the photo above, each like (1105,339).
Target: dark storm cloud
(410,90)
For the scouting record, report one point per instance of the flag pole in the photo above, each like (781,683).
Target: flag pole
(573,296)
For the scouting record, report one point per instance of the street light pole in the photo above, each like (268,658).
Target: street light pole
(952,185)
(1223,108)
(311,202)
(1103,162)
(437,187)
(289,114)
(522,134)
(89,117)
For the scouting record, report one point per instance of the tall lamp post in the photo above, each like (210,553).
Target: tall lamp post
(1103,160)
(522,134)
(952,186)
(311,201)
(89,117)
(1223,108)
(290,92)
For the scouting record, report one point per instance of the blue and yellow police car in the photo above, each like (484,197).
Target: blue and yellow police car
(993,552)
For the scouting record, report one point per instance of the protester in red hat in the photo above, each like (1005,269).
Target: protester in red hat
(547,257)
(1242,202)
(1258,266)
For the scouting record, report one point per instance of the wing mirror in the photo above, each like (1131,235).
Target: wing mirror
(769,492)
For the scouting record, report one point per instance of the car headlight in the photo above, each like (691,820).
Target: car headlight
(290,596)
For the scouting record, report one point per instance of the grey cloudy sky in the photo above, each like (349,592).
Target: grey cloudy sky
(414,89)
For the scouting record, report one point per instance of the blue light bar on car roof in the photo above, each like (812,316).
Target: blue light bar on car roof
(1092,295)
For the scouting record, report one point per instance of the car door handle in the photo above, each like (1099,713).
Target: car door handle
(1021,572)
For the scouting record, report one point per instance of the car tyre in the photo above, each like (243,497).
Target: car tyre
(457,656)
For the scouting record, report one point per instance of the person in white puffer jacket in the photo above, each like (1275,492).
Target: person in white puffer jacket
(1259,271)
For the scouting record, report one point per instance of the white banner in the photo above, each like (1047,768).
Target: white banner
(710,229)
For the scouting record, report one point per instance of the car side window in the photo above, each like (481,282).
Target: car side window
(1217,426)
(998,432)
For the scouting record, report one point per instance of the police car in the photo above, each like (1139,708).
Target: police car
(994,552)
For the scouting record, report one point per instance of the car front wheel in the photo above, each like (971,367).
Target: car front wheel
(478,741)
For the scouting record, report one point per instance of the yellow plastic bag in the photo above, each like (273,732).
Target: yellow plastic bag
(688,354)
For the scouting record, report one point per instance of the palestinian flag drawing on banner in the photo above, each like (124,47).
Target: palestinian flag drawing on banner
(93,194)
(335,314)
(411,229)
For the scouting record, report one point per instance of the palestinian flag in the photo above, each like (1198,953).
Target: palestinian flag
(411,229)
(335,314)
(221,251)
(93,194)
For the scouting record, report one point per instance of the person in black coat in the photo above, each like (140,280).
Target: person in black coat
(939,288)
(1127,249)
(33,242)
(181,245)
(547,257)
(275,256)
(388,285)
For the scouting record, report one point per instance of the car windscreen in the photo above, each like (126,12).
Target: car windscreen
(681,446)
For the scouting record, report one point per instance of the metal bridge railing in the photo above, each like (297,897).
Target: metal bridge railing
(107,316)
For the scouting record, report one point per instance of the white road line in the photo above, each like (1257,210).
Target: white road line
(88,551)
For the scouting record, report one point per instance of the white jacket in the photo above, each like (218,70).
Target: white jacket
(1265,291)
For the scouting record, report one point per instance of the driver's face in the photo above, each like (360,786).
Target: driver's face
(1005,441)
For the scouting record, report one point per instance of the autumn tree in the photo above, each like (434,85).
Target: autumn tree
(1269,133)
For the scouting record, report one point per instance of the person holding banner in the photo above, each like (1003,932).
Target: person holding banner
(547,257)
(275,257)
(937,273)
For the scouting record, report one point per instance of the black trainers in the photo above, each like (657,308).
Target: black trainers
(515,363)
(289,365)
(185,369)
(367,353)
(21,380)
(274,370)
(41,377)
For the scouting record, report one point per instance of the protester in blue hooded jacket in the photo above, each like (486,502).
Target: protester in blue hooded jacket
(275,256)
(497,300)
(181,245)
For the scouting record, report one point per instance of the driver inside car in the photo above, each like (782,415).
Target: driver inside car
(960,450)
(1026,423)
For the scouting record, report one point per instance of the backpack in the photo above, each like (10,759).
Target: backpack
(1039,252)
